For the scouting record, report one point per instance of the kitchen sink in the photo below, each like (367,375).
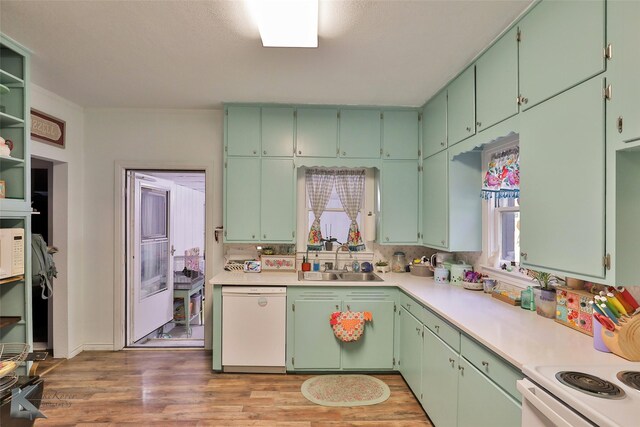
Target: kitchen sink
(338,276)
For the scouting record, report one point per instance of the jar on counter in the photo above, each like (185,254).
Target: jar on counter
(398,262)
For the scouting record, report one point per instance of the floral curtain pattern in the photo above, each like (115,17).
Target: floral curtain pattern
(502,179)
(319,185)
(350,188)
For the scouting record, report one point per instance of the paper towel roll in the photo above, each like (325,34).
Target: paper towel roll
(370,227)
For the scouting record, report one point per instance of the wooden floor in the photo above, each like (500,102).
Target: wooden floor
(167,387)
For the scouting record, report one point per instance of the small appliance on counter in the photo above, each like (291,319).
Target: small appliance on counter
(458,271)
(441,275)
(11,252)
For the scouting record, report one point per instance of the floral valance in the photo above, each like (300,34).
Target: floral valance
(502,179)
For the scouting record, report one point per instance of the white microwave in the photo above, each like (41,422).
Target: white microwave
(11,252)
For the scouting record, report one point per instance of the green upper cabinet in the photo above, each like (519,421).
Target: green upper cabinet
(317,132)
(434,125)
(435,209)
(562,167)
(314,344)
(374,349)
(400,135)
(623,111)
(411,351)
(360,133)
(277,213)
(399,202)
(461,107)
(440,379)
(243,131)
(277,131)
(497,82)
(561,44)
(483,403)
(242,199)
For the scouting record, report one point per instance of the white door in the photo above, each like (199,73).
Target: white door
(150,254)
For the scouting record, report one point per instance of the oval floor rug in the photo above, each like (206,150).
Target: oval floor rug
(345,390)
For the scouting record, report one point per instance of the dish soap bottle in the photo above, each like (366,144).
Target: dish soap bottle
(316,264)
(526,299)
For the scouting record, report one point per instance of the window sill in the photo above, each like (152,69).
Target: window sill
(514,278)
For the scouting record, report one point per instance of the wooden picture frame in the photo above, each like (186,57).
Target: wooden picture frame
(48,129)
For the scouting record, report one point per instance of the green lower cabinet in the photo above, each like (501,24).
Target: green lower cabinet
(399,202)
(439,381)
(314,345)
(481,403)
(374,349)
(411,351)
(562,208)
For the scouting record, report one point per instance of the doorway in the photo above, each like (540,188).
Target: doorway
(165,252)
(42,223)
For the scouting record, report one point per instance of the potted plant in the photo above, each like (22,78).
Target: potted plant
(382,266)
(545,294)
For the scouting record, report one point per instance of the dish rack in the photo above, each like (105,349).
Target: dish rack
(11,356)
(236,266)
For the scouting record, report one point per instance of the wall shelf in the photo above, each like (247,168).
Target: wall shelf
(11,279)
(9,320)
(11,161)
(10,80)
(9,120)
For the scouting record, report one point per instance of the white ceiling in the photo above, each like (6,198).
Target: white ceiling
(199,54)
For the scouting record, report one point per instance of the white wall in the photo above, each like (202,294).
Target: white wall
(68,230)
(189,220)
(140,138)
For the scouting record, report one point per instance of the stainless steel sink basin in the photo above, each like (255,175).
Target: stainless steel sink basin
(337,276)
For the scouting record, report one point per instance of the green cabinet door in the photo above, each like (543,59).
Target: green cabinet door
(411,351)
(435,209)
(278,210)
(317,132)
(439,381)
(562,169)
(497,82)
(561,45)
(242,199)
(623,33)
(315,346)
(482,403)
(360,133)
(461,107)
(243,131)
(374,349)
(400,135)
(434,125)
(399,202)
(277,131)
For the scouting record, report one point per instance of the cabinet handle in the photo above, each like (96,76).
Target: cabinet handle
(523,255)
(299,152)
(388,155)
(442,241)
(348,307)
(418,329)
(253,236)
(452,362)
(479,124)
(461,369)
(468,129)
(485,364)
(255,152)
(442,144)
(344,153)
(337,308)
(386,238)
(408,305)
(264,152)
(264,236)
(437,329)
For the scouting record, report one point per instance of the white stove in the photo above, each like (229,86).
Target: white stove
(554,396)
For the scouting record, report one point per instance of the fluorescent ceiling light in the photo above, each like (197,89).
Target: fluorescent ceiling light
(286,23)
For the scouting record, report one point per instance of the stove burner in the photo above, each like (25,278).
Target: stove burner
(591,385)
(630,378)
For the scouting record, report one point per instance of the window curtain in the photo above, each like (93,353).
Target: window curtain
(319,186)
(350,188)
(502,179)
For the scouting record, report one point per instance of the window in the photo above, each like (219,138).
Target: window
(335,222)
(500,189)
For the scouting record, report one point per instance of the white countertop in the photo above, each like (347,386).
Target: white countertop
(519,336)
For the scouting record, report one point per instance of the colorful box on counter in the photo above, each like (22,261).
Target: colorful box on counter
(573,309)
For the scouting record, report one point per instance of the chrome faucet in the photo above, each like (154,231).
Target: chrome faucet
(343,245)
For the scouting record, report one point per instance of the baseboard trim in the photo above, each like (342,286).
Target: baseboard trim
(98,347)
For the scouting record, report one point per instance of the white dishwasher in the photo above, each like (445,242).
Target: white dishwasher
(254,324)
